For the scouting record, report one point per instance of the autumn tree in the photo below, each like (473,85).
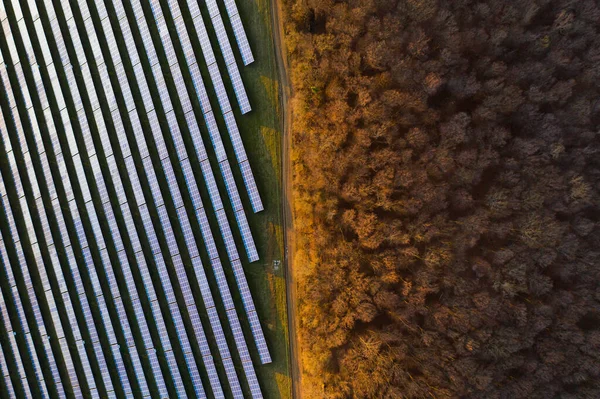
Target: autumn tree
(446,182)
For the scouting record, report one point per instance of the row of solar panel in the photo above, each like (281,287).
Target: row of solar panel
(88,25)
(53,257)
(263,346)
(131,229)
(14,349)
(147,338)
(224,44)
(238,28)
(219,88)
(227,113)
(229,185)
(213,130)
(48,236)
(16,295)
(177,200)
(145,216)
(228,237)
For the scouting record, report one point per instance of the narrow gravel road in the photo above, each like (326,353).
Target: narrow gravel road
(288,228)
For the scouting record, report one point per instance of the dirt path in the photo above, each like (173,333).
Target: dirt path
(288,220)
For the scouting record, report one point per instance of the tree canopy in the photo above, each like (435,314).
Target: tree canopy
(446,177)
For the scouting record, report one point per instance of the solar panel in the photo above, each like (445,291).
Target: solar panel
(205,45)
(222,283)
(249,245)
(223,101)
(188,234)
(136,5)
(255,390)
(124,86)
(239,89)
(6,376)
(181,90)
(153,182)
(128,38)
(238,336)
(91,90)
(118,185)
(209,241)
(213,376)
(148,166)
(85,11)
(26,42)
(13,343)
(60,44)
(119,9)
(91,35)
(179,387)
(39,30)
(201,92)
(146,39)
(101,9)
(170,237)
(146,276)
(234,383)
(253,193)
(231,187)
(108,91)
(219,86)
(191,184)
(180,147)
(57,270)
(135,181)
(12,47)
(139,370)
(211,185)
(227,52)
(172,183)
(240,35)
(139,373)
(33,300)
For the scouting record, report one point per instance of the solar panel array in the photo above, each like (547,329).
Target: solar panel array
(14,348)
(104,206)
(238,31)
(33,238)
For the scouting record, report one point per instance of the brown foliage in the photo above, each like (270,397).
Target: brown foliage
(446,183)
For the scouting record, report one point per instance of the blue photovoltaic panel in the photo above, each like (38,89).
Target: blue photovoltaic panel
(219,86)
(246,236)
(213,131)
(227,52)
(32,298)
(49,242)
(106,143)
(222,96)
(8,385)
(243,286)
(252,190)
(255,390)
(240,36)
(259,338)
(116,168)
(134,179)
(9,330)
(207,51)
(195,376)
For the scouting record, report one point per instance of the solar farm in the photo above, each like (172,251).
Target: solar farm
(129,251)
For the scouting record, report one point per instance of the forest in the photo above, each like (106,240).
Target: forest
(446,177)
